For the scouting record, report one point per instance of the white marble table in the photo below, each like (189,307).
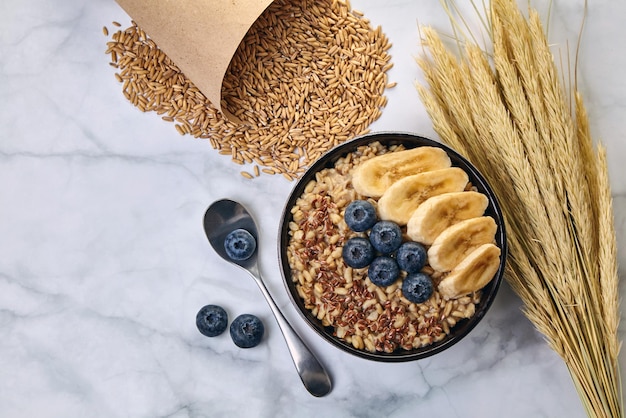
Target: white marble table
(104,264)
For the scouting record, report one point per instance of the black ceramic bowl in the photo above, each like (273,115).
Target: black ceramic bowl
(463,327)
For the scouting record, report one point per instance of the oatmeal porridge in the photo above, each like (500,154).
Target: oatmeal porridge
(368,317)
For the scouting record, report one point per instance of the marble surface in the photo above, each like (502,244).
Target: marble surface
(104,264)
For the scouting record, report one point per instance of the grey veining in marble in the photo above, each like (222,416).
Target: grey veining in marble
(104,264)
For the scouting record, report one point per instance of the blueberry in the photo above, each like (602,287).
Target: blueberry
(411,256)
(246,331)
(386,236)
(239,245)
(417,287)
(357,252)
(360,215)
(211,320)
(383,271)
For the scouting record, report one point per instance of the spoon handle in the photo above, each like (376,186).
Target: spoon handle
(311,371)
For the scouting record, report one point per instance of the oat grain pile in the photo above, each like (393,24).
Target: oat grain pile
(509,112)
(309,75)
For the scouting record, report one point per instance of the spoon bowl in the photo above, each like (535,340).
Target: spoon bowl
(221,218)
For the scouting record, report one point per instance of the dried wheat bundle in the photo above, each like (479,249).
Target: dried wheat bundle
(509,112)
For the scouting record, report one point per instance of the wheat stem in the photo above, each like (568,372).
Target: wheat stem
(510,115)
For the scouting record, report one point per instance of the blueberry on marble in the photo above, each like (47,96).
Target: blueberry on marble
(360,215)
(417,287)
(247,331)
(383,271)
(239,245)
(386,236)
(211,320)
(411,256)
(358,252)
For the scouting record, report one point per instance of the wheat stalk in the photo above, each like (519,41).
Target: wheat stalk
(509,113)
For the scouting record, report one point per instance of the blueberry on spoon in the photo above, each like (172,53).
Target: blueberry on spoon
(239,244)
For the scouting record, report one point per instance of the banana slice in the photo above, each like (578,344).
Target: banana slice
(375,176)
(405,195)
(473,273)
(457,241)
(439,212)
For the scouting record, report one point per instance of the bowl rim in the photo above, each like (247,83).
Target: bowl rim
(410,140)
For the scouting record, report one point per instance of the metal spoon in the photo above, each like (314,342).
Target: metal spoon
(224,216)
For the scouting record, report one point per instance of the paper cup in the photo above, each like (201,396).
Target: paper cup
(199,36)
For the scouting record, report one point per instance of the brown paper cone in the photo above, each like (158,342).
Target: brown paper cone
(199,36)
